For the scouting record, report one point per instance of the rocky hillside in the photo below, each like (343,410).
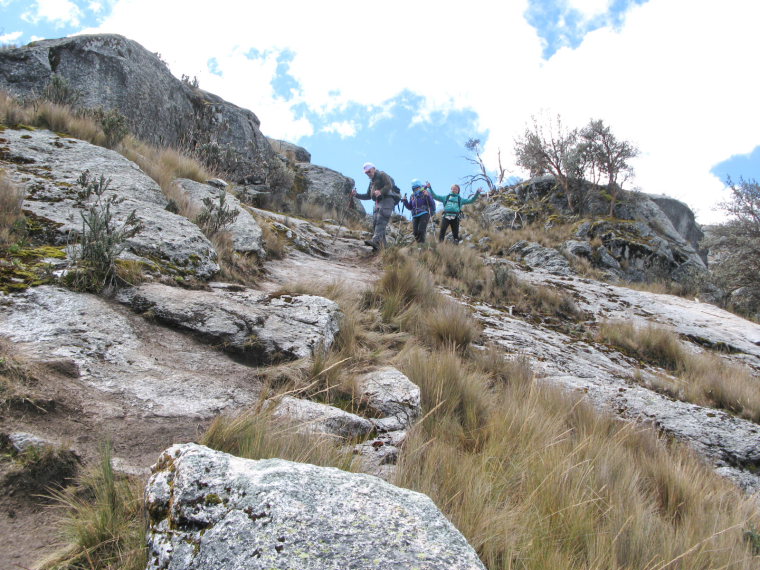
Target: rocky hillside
(149,363)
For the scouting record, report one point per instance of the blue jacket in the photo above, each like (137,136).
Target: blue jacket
(420,203)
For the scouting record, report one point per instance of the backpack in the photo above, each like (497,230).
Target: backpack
(460,215)
(395,193)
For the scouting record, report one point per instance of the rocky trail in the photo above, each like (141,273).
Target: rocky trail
(107,373)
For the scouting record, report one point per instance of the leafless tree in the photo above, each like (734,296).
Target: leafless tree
(738,241)
(482,176)
(606,155)
(550,149)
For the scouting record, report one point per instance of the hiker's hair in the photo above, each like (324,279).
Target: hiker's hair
(455,187)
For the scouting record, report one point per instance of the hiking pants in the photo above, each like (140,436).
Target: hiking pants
(445,223)
(381,217)
(419,226)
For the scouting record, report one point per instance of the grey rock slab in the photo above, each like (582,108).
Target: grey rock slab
(132,367)
(46,166)
(318,418)
(547,258)
(211,510)
(240,320)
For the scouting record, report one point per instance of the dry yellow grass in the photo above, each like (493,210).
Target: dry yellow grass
(698,377)
(542,481)
(11,198)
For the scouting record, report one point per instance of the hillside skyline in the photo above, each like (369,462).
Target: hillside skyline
(410,101)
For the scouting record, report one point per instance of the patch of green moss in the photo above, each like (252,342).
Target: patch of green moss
(23,267)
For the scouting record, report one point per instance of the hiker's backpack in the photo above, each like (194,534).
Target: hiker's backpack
(395,193)
(460,215)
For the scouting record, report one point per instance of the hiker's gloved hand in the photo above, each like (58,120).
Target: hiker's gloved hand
(353,192)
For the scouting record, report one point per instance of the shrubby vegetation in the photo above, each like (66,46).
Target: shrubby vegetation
(571,155)
(737,245)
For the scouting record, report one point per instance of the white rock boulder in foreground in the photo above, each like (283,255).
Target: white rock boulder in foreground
(212,510)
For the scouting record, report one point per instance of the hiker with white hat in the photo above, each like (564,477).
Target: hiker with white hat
(381,191)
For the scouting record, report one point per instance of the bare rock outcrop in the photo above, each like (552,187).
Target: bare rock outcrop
(47,166)
(112,72)
(211,510)
(241,321)
(317,418)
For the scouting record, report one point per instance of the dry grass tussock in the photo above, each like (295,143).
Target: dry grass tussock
(255,434)
(11,216)
(701,378)
(535,478)
(104,521)
(462,269)
(162,164)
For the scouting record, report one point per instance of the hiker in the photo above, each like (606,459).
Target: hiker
(381,191)
(421,205)
(452,210)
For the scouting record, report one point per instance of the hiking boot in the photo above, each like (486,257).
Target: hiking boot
(372,244)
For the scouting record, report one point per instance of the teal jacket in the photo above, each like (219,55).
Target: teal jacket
(452,204)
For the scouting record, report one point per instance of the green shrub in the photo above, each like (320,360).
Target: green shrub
(100,242)
(216,217)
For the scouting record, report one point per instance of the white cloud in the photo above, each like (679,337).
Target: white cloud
(95,7)
(343,128)
(671,84)
(57,12)
(10,38)
(589,8)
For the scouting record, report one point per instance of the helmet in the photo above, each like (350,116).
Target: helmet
(416,183)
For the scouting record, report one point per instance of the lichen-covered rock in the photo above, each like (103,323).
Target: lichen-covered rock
(242,321)
(211,510)
(47,167)
(536,255)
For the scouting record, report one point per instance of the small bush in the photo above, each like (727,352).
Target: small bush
(100,242)
(113,123)
(216,217)
(60,91)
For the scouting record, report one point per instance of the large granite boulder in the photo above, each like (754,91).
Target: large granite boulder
(209,509)
(112,72)
(328,188)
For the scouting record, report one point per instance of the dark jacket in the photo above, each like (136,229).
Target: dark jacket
(420,203)
(380,181)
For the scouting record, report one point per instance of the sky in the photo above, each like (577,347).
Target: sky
(405,84)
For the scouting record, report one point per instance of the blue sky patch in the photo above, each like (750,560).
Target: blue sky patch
(560,26)
(746,166)
(285,85)
(396,145)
